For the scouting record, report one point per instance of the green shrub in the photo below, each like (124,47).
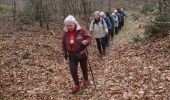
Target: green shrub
(168,14)
(136,38)
(5,7)
(135,16)
(1,9)
(147,9)
(151,30)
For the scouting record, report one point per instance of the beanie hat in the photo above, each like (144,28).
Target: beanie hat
(113,14)
(115,11)
(121,9)
(71,19)
(102,14)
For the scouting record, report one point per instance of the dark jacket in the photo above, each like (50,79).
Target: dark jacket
(122,14)
(110,18)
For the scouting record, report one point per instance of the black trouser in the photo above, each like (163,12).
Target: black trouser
(74,59)
(106,40)
(116,30)
(111,33)
(120,25)
(101,44)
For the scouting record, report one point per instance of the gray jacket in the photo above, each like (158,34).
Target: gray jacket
(99,30)
(115,20)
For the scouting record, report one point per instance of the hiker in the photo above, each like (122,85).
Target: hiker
(122,14)
(111,31)
(109,25)
(119,18)
(116,22)
(99,29)
(75,41)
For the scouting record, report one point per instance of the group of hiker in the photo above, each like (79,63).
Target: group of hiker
(105,26)
(76,39)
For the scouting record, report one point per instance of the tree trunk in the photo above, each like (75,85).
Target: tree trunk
(101,5)
(85,12)
(43,15)
(14,12)
(109,5)
(163,14)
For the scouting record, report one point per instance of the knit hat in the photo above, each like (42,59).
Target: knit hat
(71,19)
(113,14)
(115,11)
(102,14)
(121,9)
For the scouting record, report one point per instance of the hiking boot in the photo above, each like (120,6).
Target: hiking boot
(86,83)
(100,54)
(104,53)
(107,45)
(75,88)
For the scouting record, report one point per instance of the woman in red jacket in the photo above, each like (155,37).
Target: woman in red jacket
(74,43)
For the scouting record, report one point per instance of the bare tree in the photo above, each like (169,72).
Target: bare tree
(162,9)
(164,16)
(109,5)
(14,11)
(39,12)
(43,14)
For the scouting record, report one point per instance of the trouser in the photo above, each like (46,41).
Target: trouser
(74,59)
(123,23)
(101,44)
(116,30)
(120,25)
(107,37)
(111,33)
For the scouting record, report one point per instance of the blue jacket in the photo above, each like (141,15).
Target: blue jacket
(108,22)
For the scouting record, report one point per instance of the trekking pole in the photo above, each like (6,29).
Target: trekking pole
(92,74)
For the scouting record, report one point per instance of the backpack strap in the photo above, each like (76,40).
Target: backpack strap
(102,24)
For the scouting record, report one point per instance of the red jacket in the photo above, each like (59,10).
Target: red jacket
(79,36)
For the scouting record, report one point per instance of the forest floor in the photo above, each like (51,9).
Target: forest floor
(32,67)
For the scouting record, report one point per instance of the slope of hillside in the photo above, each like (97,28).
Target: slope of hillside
(32,67)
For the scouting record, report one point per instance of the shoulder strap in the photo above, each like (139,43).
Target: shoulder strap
(102,24)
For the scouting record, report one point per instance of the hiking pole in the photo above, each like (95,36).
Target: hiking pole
(91,73)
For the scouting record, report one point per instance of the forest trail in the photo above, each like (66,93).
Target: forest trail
(32,68)
(129,71)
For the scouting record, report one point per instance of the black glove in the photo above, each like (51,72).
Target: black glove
(66,56)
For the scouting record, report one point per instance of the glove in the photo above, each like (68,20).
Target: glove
(91,32)
(66,56)
(84,42)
